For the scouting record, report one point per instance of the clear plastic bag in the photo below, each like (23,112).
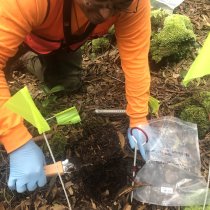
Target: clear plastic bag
(173,165)
(169,5)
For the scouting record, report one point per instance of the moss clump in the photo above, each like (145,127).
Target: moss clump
(203,98)
(100,45)
(197,115)
(157,19)
(196,109)
(174,40)
(58,144)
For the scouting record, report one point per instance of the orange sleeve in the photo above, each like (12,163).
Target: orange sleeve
(133,38)
(17,18)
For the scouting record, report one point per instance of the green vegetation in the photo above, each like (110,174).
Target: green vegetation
(197,115)
(157,19)
(172,36)
(100,45)
(203,98)
(58,143)
(154,106)
(49,99)
(196,109)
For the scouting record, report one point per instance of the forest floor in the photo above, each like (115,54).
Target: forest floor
(97,146)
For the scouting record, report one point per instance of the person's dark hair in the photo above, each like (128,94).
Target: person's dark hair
(114,4)
(122,4)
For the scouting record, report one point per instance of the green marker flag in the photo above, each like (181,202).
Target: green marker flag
(68,116)
(22,104)
(201,65)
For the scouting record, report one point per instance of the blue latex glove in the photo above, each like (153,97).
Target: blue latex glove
(27,168)
(141,134)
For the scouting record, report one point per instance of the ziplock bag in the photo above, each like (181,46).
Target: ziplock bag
(172,169)
(169,5)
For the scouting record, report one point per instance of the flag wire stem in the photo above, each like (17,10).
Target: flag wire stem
(50,118)
(53,158)
(134,165)
(207,189)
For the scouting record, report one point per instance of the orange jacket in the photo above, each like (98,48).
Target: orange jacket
(19,18)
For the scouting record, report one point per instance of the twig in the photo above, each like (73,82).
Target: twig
(115,78)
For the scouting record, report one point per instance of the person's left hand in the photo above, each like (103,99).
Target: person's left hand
(27,168)
(139,133)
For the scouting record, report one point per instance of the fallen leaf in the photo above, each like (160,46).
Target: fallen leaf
(93,204)
(127,207)
(121,139)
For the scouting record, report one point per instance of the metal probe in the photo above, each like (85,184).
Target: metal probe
(110,111)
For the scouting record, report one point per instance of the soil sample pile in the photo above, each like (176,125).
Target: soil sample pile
(106,169)
(100,143)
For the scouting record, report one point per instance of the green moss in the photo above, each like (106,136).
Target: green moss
(157,19)
(58,143)
(175,39)
(196,109)
(203,98)
(100,45)
(197,115)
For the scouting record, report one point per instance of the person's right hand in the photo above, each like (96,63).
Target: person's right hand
(141,133)
(27,168)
